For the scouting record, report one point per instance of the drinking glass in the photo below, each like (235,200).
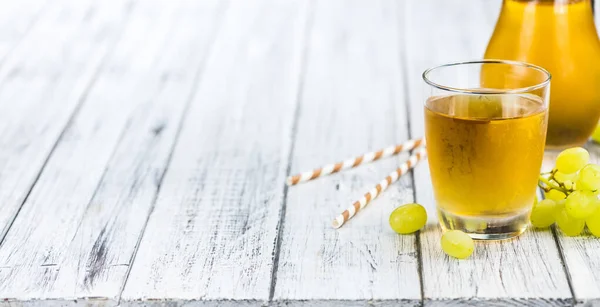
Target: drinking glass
(485,126)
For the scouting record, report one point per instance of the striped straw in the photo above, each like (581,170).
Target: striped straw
(354,162)
(374,192)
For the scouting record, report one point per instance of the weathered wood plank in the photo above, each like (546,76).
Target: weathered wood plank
(98,187)
(523,271)
(42,82)
(213,231)
(352,100)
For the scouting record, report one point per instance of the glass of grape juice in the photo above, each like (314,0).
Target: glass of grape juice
(485,127)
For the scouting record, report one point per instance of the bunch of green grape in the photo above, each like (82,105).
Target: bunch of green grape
(571,195)
(410,218)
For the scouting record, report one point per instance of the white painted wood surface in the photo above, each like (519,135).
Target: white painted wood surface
(524,271)
(98,187)
(145,143)
(41,90)
(353,74)
(213,232)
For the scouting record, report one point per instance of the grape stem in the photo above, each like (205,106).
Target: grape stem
(550,183)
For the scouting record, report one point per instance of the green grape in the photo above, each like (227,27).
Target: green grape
(535,201)
(596,135)
(560,205)
(589,178)
(571,160)
(570,226)
(569,185)
(408,218)
(560,177)
(593,223)
(542,215)
(575,179)
(555,195)
(581,204)
(457,244)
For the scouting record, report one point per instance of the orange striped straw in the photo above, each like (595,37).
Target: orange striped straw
(354,162)
(374,192)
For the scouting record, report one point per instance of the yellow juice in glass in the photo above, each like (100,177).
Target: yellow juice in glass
(485,153)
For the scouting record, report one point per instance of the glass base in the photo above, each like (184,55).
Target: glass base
(486,227)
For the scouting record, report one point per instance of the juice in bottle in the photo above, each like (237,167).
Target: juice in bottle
(560,36)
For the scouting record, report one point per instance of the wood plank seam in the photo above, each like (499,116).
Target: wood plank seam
(197,80)
(69,122)
(238,241)
(563,260)
(100,239)
(580,252)
(404,70)
(303,65)
(356,66)
(112,154)
(561,253)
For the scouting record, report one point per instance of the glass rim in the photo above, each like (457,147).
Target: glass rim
(519,90)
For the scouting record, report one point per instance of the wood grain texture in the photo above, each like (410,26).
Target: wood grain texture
(98,187)
(212,234)
(523,271)
(41,90)
(352,90)
(286,86)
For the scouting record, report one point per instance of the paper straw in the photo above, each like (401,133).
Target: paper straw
(374,192)
(354,162)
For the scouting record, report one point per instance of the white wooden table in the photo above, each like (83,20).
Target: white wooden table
(145,144)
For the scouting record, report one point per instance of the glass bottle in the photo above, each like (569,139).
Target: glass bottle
(560,36)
